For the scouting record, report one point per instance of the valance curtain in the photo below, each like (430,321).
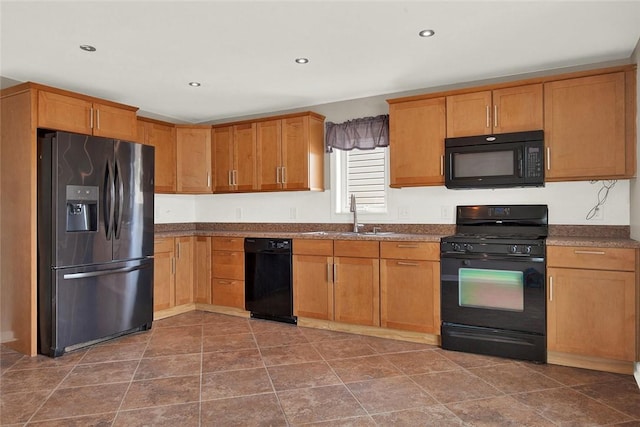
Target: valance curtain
(365,134)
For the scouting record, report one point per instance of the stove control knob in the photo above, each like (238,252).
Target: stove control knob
(527,249)
(513,249)
(469,247)
(455,247)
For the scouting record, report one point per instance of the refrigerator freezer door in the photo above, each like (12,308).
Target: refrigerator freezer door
(74,172)
(133,216)
(96,302)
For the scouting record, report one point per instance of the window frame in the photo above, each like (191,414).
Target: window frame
(342,198)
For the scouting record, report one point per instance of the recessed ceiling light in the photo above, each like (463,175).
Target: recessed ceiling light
(194,84)
(302,60)
(87,47)
(426,33)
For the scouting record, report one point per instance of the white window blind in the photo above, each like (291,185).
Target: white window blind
(365,177)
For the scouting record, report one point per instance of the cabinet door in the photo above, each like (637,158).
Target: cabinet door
(417,132)
(184,270)
(245,157)
(313,286)
(163,138)
(223,158)
(228,293)
(517,109)
(193,156)
(469,114)
(591,313)
(163,274)
(357,291)
(410,295)
(295,153)
(114,122)
(269,136)
(585,127)
(202,270)
(65,113)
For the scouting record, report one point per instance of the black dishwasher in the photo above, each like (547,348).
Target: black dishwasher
(268,279)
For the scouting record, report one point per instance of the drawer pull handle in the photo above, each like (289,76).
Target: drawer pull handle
(550,288)
(225,282)
(404,245)
(589,252)
(408,264)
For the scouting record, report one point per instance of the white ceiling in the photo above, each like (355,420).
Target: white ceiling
(243,52)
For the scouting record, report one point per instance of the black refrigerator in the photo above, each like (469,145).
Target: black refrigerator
(95,240)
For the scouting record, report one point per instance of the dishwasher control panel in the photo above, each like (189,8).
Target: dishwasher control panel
(279,244)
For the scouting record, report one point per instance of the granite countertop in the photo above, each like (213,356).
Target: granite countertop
(559,235)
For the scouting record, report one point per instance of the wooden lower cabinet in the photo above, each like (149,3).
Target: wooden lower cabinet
(173,272)
(164,292)
(356,282)
(313,278)
(337,280)
(591,305)
(228,272)
(410,286)
(202,270)
(184,270)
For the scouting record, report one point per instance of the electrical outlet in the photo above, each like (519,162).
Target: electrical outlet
(238,213)
(293,213)
(599,214)
(403,212)
(445,212)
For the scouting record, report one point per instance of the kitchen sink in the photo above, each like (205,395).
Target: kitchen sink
(366,233)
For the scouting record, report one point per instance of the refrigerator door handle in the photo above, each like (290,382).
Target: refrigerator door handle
(109,201)
(120,197)
(105,272)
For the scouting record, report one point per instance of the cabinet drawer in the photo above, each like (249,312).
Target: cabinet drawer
(410,250)
(312,247)
(355,248)
(593,258)
(228,244)
(229,293)
(163,244)
(228,265)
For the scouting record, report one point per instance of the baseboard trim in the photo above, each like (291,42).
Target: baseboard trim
(589,362)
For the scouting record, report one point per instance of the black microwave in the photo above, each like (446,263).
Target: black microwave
(495,161)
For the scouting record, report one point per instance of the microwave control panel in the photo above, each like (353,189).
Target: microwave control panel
(534,165)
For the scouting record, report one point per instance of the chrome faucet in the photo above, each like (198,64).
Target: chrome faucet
(353,208)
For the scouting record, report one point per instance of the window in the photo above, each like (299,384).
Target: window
(363,173)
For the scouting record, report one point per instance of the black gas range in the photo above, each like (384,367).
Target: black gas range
(493,277)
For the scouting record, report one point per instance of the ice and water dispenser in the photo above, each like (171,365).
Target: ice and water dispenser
(82,208)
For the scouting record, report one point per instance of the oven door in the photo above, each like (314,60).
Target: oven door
(500,292)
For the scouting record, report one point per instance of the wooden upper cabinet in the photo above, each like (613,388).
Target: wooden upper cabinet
(289,153)
(222,140)
(68,113)
(505,110)
(193,158)
(417,132)
(163,138)
(244,160)
(585,129)
(269,154)
(234,156)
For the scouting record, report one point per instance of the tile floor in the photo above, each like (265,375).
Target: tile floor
(205,369)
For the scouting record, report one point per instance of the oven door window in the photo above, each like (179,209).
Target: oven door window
(493,289)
